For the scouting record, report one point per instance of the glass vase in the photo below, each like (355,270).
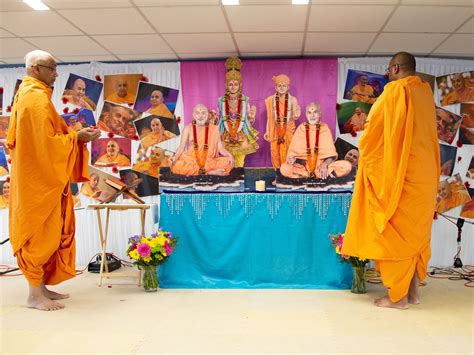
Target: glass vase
(358,282)
(150,278)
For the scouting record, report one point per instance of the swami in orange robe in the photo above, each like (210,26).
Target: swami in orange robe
(279,143)
(157,135)
(157,106)
(152,166)
(297,165)
(450,196)
(218,160)
(396,184)
(46,156)
(113,156)
(461,92)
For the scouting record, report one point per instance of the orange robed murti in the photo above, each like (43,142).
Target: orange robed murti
(45,157)
(279,151)
(187,164)
(396,184)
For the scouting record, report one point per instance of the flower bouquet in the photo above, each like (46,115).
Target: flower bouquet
(148,252)
(358,265)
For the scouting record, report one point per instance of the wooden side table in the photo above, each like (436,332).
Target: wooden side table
(104,271)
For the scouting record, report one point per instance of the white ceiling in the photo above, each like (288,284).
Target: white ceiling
(110,30)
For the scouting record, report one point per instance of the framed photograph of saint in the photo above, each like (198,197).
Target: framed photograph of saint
(468,209)
(347,151)
(456,88)
(96,190)
(447,158)
(81,92)
(4,121)
(84,118)
(155,129)
(451,194)
(4,194)
(139,183)
(111,152)
(364,86)
(466,131)
(118,120)
(351,116)
(156,100)
(447,124)
(121,88)
(150,161)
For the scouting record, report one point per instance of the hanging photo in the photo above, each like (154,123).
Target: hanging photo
(111,152)
(466,131)
(456,88)
(121,88)
(468,208)
(118,119)
(351,116)
(155,129)
(347,151)
(447,159)
(156,100)
(77,121)
(139,184)
(4,194)
(81,92)
(451,193)
(447,124)
(364,86)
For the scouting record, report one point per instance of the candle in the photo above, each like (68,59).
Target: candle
(260,185)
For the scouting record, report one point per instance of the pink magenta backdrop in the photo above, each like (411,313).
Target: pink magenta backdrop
(311,80)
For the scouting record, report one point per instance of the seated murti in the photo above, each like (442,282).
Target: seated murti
(312,153)
(201,151)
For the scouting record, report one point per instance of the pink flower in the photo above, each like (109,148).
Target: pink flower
(144,250)
(168,248)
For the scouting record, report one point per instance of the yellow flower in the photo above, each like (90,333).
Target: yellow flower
(134,254)
(154,242)
(147,259)
(161,239)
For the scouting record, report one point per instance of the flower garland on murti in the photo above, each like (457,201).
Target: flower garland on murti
(312,158)
(201,158)
(284,119)
(233,126)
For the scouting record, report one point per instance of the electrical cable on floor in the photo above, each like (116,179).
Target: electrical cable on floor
(466,274)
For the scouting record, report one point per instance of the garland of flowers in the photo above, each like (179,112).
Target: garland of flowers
(312,158)
(233,129)
(284,119)
(201,158)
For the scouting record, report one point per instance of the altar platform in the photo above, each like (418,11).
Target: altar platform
(254,240)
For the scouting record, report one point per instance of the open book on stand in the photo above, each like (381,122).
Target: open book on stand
(123,188)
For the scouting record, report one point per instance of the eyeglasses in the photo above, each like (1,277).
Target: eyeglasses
(53,69)
(390,66)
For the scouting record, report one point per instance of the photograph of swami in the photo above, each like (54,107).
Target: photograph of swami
(4,171)
(470,171)
(468,209)
(84,118)
(96,190)
(121,88)
(4,194)
(364,86)
(111,152)
(466,131)
(447,158)
(118,119)
(451,193)
(347,151)
(140,183)
(150,161)
(447,124)
(155,129)
(156,100)
(4,120)
(352,116)
(456,88)
(81,92)
(430,79)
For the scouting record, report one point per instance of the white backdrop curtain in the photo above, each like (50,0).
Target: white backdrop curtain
(444,233)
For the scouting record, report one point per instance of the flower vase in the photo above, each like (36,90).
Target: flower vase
(358,282)
(150,278)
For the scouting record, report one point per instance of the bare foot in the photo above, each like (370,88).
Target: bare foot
(53,295)
(385,302)
(43,303)
(413,294)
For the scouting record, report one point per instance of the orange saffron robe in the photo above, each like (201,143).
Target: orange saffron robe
(120,159)
(129,99)
(46,156)
(455,97)
(327,149)
(362,93)
(155,138)
(396,185)
(161,110)
(187,164)
(279,151)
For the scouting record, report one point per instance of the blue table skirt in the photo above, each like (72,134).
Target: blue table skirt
(253,240)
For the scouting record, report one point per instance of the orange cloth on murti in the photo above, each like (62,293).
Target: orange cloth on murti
(161,110)
(129,99)
(396,185)
(155,138)
(279,151)
(362,93)
(456,199)
(327,149)
(45,157)
(4,202)
(455,97)
(119,159)
(187,164)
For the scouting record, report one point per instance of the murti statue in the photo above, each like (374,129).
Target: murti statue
(236,116)
(282,111)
